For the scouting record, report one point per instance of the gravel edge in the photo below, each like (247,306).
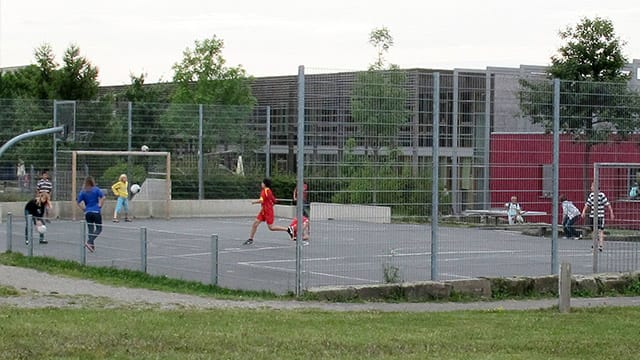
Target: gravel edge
(42,290)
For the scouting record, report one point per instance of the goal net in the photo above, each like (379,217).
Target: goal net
(149,169)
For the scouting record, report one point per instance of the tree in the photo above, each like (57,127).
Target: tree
(202,77)
(593,52)
(378,98)
(595,99)
(148,105)
(77,79)
(379,108)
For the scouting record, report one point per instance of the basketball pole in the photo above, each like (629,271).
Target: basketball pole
(28,135)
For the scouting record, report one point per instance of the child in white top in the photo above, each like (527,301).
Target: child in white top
(514,212)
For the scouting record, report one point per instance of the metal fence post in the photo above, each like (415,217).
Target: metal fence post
(143,249)
(83,240)
(9,231)
(435,161)
(30,235)
(300,174)
(200,152)
(214,260)
(268,143)
(556,175)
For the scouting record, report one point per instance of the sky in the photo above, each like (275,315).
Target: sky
(274,37)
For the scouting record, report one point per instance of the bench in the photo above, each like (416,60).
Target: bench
(500,213)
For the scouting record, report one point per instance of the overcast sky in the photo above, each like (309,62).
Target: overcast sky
(273,37)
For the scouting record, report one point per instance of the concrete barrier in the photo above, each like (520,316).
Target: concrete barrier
(143,207)
(140,208)
(482,288)
(367,213)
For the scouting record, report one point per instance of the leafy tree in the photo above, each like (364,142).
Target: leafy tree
(202,77)
(595,99)
(593,52)
(148,106)
(45,60)
(378,98)
(77,79)
(379,108)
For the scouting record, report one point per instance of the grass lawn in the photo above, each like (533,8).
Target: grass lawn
(100,331)
(607,333)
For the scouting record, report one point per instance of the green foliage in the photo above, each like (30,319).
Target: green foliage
(379,96)
(390,274)
(382,40)
(77,79)
(378,104)
(120,277)
(594,97)
(8,291)
(202,77)
(228,186)
(136,174)
(592,52)
(386,182)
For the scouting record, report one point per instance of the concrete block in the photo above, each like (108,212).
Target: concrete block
(545,284)
(585,284)
(612,282)
(513,286)
(374,214)
(426,290)
(378,291)
(471,287)
(333,293)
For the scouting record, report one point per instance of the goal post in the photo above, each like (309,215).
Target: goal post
(615,180)
(146,167)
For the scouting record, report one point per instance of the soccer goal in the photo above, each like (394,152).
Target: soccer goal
(149,169)
(619,182)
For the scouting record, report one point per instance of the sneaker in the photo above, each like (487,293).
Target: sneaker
(44,241)
(248,242)
(116,220)
(600,248)
(26,241)
(127,219)
(305,243)
(90,247)
(290,232)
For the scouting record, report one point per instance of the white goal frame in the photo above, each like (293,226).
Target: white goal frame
(165,154)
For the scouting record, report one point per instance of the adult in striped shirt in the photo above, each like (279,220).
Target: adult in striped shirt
(598,213)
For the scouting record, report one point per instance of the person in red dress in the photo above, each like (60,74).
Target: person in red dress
(267,200)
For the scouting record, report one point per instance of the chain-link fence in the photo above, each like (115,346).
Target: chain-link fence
(409,173)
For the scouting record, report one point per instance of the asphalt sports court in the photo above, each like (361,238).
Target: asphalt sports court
(339,253)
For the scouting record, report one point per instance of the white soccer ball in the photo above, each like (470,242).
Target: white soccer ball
(135,188)
(41,229)
(144,148)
